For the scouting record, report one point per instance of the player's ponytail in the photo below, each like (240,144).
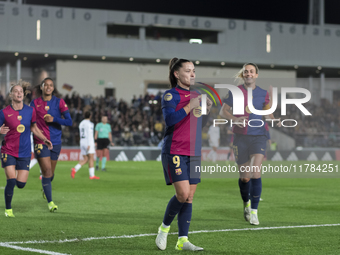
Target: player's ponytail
(174,65)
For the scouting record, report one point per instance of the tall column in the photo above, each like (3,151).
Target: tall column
(322,85)
(18,69)
(8,78)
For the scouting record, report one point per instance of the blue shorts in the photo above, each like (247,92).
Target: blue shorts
(180,168)
(41,151)
(19,163)
(246,145)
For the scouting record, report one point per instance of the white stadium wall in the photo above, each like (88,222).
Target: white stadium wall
(130,79)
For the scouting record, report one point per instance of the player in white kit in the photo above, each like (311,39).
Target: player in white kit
(87,148)
(214,142)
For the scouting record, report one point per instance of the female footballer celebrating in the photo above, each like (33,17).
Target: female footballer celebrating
(249,141)
(50,110)
(18,121)
(181,150)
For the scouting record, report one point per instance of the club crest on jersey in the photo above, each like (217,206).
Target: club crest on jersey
(178,171)
(197,112)
(19,117)
(38,152)
(47,108)
(167,96)
(4,157)
(20,128)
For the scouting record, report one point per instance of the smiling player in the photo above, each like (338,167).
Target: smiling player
(17,121)
(181,150)
(52,112)
(249,141)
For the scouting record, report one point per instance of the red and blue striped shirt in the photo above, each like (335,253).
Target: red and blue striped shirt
(17,142)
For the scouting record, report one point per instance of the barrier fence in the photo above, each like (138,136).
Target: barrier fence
(154,153)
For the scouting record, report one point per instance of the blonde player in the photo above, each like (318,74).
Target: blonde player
(214,142)
(86,146)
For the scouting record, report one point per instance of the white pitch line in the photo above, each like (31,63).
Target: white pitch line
(7,245)
(172,233)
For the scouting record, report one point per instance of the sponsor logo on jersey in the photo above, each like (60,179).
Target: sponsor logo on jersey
(187,95)
(9,115)
(38,105)
(20,128)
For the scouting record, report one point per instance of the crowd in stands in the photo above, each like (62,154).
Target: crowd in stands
(134,123)
(140,122)
(322,129)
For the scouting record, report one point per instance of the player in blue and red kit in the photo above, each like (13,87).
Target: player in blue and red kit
(17,121)
(249,140)
(52,112)
(181,150)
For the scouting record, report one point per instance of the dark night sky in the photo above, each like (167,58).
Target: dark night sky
(292,11)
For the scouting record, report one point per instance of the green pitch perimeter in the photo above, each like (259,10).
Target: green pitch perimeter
(130,199)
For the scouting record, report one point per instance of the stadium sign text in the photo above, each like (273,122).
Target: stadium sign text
(163,20)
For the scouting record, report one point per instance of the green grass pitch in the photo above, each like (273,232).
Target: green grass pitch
(130,199)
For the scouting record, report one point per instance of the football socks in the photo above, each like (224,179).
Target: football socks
(184,218)
(103,162)
(256,189)
(244,189)
(174,206)
(9,192)
(47,187)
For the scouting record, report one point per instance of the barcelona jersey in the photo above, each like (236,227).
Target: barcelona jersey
(56,107)
(17,142)
(260,102)
(183,133)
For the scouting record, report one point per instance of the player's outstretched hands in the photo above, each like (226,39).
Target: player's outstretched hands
(4,130)
(48,144)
